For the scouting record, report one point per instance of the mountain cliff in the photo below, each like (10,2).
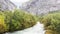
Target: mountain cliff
(6,5)
(38,7)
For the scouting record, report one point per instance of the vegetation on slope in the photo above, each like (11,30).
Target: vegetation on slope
(17,20)
(3,27)
(21,20)
(52,22)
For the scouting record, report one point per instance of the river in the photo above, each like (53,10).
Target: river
(36,29)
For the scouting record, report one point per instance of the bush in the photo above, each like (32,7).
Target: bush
(3,27)
(17,20)
(21,20)
(49,32)
(52,22)
(8,17)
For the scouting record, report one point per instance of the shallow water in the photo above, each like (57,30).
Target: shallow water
(36,29)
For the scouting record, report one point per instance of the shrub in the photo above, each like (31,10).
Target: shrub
(17,20)
(21,20)
(8,17)
(3,27)
(52,22)
(49,32)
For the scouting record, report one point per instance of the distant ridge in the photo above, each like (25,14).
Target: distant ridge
(38,7)
(7,5)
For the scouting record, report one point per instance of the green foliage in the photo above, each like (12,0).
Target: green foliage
(17,20)
(52,22)
(8,17)
(21,20)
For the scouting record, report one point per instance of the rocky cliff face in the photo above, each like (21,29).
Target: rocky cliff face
(41,6)
(6,5)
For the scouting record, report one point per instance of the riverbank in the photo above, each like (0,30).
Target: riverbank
(36,29)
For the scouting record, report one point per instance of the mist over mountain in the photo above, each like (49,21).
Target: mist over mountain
(7,5)
(41,6)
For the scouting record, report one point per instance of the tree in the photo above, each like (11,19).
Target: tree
(52,22)
(3,27)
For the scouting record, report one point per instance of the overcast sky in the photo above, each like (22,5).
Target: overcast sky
(19,2)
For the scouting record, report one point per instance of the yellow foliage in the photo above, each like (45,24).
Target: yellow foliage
(51,32)
(2,24)
(1,19)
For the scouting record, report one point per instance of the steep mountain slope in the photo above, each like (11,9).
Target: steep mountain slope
(6,5)
(41,6)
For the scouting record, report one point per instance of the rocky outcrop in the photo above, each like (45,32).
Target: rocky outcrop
(6,5)
(41,6)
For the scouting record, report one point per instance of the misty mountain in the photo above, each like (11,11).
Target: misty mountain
(38,7)
(7,5)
